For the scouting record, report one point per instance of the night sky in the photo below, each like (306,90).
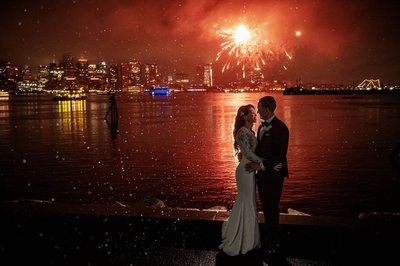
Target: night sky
(341,41)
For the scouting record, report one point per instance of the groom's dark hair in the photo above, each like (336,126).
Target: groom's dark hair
(268,102)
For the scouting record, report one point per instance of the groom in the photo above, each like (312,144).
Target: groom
(273,140)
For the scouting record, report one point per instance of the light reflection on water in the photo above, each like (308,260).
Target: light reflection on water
(179,149)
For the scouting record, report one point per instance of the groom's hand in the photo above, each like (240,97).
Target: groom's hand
(252,167)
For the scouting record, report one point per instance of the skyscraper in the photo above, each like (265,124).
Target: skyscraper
(134,75)
(204,75)
(151,76)
(114,81)
(208,75)
(124,76)
(70,71)
(82,70)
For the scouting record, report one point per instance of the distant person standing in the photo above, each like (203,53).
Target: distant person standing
(113,111)
(273,141)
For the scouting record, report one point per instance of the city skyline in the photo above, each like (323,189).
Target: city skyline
(327,41)
(75,61)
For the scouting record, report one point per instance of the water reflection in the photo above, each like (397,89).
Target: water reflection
(72,116)
(4,108)
(4,96)
(179,149)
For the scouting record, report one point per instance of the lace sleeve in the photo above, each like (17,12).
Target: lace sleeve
(243,140)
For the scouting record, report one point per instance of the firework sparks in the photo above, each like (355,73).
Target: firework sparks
(246,47)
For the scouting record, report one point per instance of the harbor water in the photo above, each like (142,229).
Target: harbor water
(178,148)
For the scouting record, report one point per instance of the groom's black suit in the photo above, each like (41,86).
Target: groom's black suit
(272,146)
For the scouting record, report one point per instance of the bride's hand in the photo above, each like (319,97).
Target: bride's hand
(278,167)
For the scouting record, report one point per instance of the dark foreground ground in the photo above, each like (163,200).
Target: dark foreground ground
(40,234)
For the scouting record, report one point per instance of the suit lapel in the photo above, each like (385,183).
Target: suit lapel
(265,132)
(258,134)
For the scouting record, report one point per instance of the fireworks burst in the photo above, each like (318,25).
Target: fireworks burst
(247,47)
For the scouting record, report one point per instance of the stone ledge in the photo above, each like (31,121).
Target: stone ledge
(168,213)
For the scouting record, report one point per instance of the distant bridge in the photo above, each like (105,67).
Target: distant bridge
(369,84)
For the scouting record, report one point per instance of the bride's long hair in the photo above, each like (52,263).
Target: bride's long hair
(239,122)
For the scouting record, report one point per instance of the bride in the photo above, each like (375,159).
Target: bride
(240,233)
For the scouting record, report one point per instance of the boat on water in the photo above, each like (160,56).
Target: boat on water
(159,91)
(303,91)
(70,94)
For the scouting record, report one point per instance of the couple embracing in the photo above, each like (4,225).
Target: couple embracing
(263,164)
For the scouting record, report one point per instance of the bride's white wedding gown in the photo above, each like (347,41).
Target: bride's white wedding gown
(240,233)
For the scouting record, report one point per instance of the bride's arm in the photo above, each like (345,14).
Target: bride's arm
(243,140)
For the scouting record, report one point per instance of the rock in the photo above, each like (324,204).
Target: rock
(291,211)
(121,204)
(186,209)
(216,208)
(155,203)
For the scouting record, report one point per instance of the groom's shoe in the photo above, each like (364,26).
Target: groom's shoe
(274,257)
(269,256)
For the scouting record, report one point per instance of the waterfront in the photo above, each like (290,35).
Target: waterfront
(178,149)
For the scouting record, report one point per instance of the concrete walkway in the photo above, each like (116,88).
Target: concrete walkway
(42,233)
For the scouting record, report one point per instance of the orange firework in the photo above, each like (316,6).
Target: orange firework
(245,47)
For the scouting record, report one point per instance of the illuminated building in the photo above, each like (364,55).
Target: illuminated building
(67,61)
(134,76)
(9,74)
(182,79)
(170,79)
(92,70)
(70,71)
(151,76)
(102,73)
(55,76)
(199,74)
(82,71)
(124,73)
(94,81)
(204,75)
(28,83)
(208,75)
(130,74)
(254,75)
(114,80)
(28,86)
(27,74)
(43,76)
